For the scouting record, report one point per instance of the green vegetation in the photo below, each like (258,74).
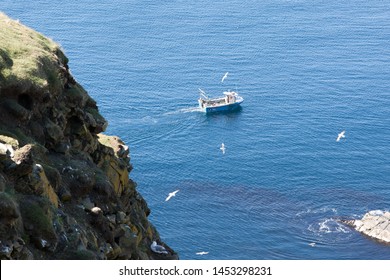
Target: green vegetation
(18,135)
(77,94)
(34,214)
(27,59)
(77,255)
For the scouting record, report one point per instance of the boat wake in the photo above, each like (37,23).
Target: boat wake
(184,110)
(164,126)
(147,120)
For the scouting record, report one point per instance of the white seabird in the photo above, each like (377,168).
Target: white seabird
(170,195)
(202,253)
(222,148)
(341,135)
(224,77)
(312,244)
(158,248)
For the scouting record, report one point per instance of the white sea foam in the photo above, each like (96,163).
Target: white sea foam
(328,225)
(376,212)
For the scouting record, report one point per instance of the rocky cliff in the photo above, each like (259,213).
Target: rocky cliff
(65,191)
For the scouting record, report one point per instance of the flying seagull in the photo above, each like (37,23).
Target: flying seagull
(170,195)
(202,253)
(312,244)
(158,248)
(341,135)
(224,77)
(223,148)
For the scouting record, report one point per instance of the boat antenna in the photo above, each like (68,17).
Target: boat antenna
(203,94)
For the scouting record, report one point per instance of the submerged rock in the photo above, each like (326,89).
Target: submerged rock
(375,224)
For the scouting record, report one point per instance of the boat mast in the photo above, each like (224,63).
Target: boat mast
(203,94)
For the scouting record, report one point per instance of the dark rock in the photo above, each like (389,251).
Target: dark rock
(37,213)
(122,218)
(38,132)
(62,147)
(8,209)
(54,176)
(64,194)
(18,111)
(53,132)
(5,250)
(24,161)
(127,242)
(82,183)
(2,183)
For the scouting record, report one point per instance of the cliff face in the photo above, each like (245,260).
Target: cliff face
(65,191)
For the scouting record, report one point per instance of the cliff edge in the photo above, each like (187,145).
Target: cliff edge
(65,191)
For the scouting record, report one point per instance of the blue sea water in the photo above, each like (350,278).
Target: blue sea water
(307,71)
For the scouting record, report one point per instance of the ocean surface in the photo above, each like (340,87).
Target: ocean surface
(306,69)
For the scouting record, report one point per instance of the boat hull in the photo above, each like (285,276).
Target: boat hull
(224,108)
(230,102)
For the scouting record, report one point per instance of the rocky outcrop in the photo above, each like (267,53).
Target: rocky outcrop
(65,191)
(375,224)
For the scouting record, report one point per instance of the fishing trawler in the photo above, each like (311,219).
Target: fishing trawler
(229,102)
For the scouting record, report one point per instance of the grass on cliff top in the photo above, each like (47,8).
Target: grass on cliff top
(27,58)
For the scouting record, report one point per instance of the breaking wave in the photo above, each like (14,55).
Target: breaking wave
(328,225)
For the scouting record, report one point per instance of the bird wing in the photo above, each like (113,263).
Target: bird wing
(170,195)
(158,248)
(161,249)
(341,135)
(224,77)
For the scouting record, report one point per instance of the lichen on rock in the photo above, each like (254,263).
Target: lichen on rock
(65,191)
